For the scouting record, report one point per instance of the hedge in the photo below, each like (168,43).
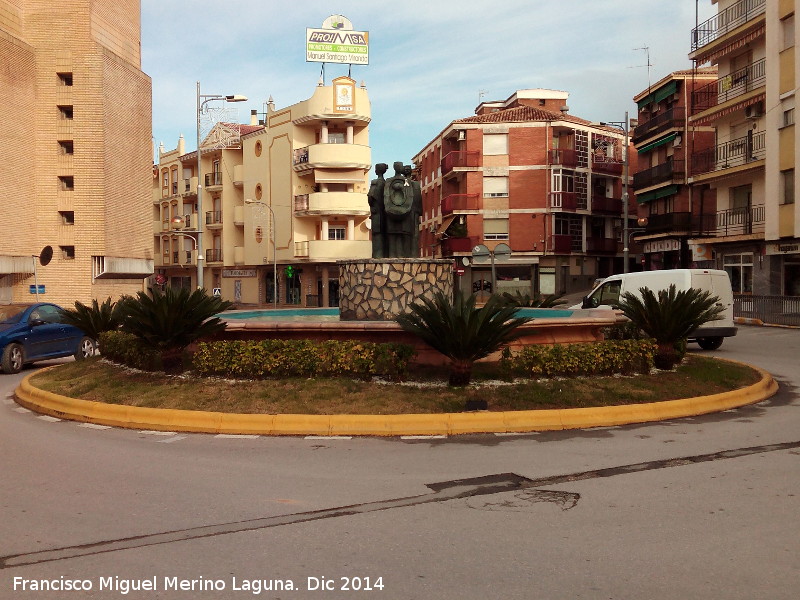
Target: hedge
(126,348)
(301,358)
(597,358)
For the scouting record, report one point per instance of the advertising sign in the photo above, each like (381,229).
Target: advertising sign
(336,42)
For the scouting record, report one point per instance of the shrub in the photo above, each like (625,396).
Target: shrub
(127,349)
(95,319)
(596,358)
(301,358)
(537,301)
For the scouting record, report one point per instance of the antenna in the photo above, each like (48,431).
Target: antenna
(481,94)
(648,65)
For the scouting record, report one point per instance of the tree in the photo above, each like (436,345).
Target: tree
(670,317)
(171,320)
(95,319)
(461,331)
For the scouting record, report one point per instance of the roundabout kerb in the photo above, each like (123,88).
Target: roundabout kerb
(158,419)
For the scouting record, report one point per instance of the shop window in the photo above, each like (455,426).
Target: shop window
(740,269)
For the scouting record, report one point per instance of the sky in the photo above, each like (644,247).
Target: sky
(429,62)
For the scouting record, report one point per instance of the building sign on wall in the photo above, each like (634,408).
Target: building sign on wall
(783,248)
(336,42)
(238,272)
(344,94)
(668,245)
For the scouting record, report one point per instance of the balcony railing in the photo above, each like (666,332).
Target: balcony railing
(452,245)
(564,157)
(602,245)
(214,255)
(564,244)
(606,205)
(682,221)
(214,217)
(300,155)
(301,202)
(740,221)
(668,119)
(602,164)
(725,21)
(735,153)
(563,201)
(213,178)
(459,202)
(730,86)
(460,159)
(664,172)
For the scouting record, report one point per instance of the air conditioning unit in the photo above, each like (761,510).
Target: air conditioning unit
(754,111)
(462,135)
(677,142)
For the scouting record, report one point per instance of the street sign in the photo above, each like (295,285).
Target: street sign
(502,252)
(37,289)
(216,292)
(480,255)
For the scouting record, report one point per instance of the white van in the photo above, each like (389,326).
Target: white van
(709,336)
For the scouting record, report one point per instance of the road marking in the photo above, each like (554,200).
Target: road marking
(422,437)
(328,437)
(236,436)
(94,426)
(149,432)
(22,410)
(512,434)
(49,418)
(177,438)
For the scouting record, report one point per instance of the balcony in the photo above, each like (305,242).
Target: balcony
(459,202)
(681,222)
(564,156)
(563,244)
(667,171)
(325,250)
(461,245)
(460,160)
(213,255)
(330,203)
(213,179)
(730,86)
(735,153)
(563,201)
(332,156)
(214,217)
(660,123)
(603,164)
(725,21)
(741,221)
(602,204)
(601,245)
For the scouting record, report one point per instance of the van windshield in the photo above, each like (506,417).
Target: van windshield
(607,293)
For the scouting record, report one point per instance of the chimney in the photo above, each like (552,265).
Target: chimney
(564,109)
(254,117)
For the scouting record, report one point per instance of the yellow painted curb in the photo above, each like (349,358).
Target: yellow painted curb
(161,419)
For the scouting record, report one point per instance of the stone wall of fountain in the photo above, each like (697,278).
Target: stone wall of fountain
(380,289)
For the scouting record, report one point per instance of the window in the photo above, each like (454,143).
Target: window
(337,233)
(65,79)
(563,181)
(495,144)
(67,252)
(787,184)
(495,187)
(787,30)
(65,112)
(66,147)
(788,117)
(740,269)
(335,137)
(495,229)
(67,217)
(66,183)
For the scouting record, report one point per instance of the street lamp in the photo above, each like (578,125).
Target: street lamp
(274,248)
(202,99)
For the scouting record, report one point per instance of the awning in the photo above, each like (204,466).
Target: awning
(22,265)
(657,143)
(658,95)
(446,222)
(338,176)
(713,115)
(670,190)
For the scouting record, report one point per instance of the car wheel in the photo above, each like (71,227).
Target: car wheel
(86,348)
(710,343)
(13,358)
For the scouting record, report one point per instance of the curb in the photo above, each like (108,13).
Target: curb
(162,419)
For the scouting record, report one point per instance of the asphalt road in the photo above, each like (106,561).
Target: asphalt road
(693,508)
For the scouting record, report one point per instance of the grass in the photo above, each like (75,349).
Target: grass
(98,380)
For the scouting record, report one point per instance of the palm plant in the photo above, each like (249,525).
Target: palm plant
(537,301)
(171,320)
(95,319)
(461,331)
(670,317)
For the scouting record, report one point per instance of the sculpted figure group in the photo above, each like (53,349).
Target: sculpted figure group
(395,208)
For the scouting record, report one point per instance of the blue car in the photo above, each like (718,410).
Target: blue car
(33,332)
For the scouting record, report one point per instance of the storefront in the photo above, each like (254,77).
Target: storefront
(786,257)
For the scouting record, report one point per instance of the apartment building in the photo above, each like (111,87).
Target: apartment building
(76,146)
(672,213)
(525,173)
(752,165)
(284,199)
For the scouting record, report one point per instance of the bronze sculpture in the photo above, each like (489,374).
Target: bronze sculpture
(396,211)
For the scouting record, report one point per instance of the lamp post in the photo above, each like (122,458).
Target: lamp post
(274,248)
(202,100)
(624,126)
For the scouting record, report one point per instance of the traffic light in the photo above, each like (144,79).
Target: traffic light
(290,271)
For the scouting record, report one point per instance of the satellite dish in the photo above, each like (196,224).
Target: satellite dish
(480,254)
(502,252)
(46,255)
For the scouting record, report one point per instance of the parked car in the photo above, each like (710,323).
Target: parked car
(709,336)
(34,332)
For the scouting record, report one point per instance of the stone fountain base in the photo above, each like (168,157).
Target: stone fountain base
(380,289)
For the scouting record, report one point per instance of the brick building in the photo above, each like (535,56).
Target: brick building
(76,146)
(526,173)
